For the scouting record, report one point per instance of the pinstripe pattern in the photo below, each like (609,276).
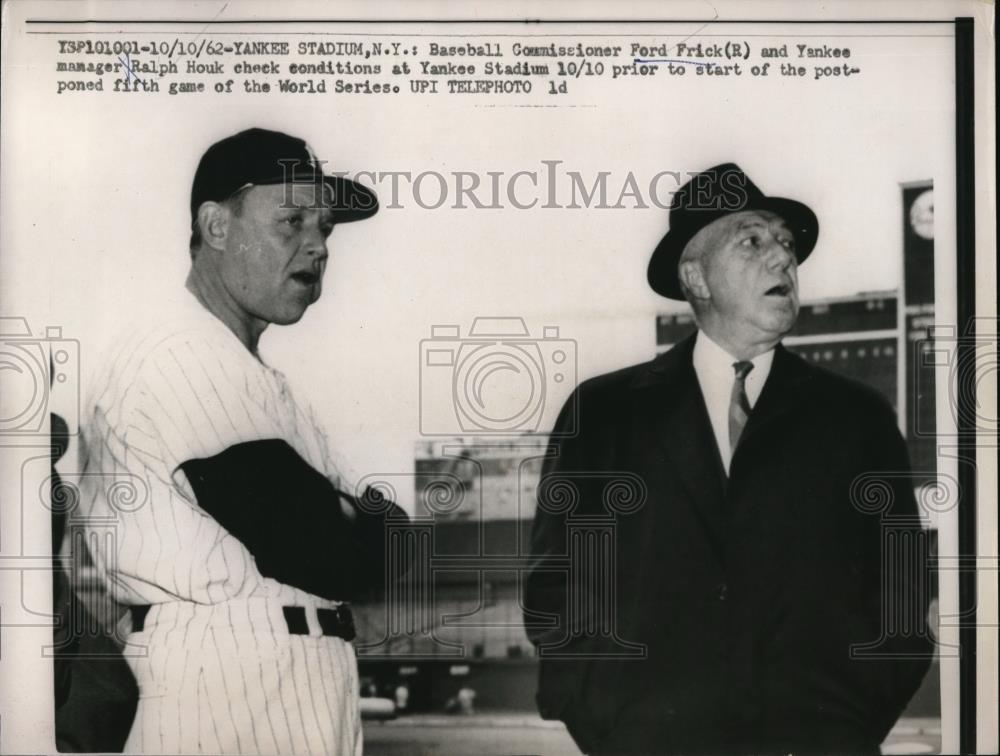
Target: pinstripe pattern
(221,673)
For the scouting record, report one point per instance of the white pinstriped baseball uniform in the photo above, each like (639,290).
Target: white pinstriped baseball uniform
(222,674)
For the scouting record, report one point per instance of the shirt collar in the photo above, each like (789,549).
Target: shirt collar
(714,367)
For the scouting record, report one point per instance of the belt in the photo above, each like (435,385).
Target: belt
(337,623)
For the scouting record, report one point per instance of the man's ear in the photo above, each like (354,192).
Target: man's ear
(693,279)
(213,220)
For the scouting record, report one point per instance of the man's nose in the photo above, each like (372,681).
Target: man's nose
(779,257)
(314,244)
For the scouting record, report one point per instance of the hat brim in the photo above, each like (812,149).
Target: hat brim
(662,273)
(351,201)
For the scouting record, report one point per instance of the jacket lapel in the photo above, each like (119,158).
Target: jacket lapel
(675,428)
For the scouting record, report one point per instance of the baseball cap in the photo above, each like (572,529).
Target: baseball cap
(258,157)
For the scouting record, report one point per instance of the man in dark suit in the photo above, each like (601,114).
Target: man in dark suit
(768,592)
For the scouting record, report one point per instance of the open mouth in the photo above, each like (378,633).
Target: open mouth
(305,277)
(781,290)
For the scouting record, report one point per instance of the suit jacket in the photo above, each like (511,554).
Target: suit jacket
(782,608)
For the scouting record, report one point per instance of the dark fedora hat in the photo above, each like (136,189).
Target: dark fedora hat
(714,194)
(258,157)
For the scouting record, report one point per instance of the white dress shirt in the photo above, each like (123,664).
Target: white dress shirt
(714,367)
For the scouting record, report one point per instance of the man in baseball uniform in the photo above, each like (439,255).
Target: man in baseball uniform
(237,538)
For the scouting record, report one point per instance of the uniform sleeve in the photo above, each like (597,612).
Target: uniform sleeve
(234,502)
(289,517)
(166,403)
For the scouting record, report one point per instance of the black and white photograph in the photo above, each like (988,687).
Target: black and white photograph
(502,378)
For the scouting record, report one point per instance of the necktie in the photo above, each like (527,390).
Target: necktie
(739,405)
